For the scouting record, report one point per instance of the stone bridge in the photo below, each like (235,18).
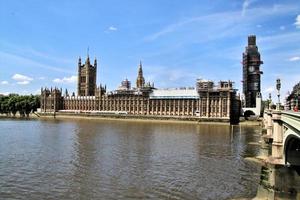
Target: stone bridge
(283,131)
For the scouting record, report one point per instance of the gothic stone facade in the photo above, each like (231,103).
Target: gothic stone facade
(205,101)
(86,83)
(251,72)
(292,101)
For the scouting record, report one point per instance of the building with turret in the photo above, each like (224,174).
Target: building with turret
(87,73)
(292,99)
(140,81)
(251,73)
(206,100)
(252,102)
(51,99)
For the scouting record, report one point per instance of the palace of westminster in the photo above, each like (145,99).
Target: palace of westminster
(206,100)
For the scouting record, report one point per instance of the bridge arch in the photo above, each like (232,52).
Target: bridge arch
(292,149)
(248,113)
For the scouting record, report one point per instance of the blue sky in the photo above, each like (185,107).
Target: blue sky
(177,41)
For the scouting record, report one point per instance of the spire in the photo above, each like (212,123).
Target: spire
(79,61)
(140,69)
(140,81)
(88,57)
(251,40)
(95,62)
(66,93)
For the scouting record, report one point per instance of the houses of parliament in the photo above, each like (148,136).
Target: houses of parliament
(205,100)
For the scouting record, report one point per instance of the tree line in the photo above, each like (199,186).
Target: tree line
(22,104)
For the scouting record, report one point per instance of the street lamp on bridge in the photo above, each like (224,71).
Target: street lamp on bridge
(269,101)
(278,86)
(296,95)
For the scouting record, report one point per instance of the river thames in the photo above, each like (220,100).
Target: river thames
(94,159)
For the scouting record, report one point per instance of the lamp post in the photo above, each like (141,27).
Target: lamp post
(296,107)
(269,101)
(278,86)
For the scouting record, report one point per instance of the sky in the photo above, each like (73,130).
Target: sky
(177,42)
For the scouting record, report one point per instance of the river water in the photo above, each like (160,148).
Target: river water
(93,159)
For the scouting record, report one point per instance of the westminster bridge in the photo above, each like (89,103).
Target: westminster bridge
(280,177)
(283,132)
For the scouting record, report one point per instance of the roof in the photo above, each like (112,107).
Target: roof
(174,94)
(80,97)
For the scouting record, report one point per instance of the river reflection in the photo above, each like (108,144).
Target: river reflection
(90,159)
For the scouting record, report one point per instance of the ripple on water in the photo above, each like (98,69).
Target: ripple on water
(125,160)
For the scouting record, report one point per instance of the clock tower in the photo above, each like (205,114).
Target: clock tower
(251,73)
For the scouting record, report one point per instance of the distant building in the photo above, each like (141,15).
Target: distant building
(292,98)
(252,102)
(204,101)
(251,73)
(125,85)
(204,84)
(140,81)
(86,78)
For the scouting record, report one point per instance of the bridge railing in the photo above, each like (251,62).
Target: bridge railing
(281,127)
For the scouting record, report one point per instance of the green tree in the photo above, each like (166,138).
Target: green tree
(14,103)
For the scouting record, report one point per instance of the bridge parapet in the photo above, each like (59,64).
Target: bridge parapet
(292,120)
(283,131)
(269,123)
(280,172)
(277,135)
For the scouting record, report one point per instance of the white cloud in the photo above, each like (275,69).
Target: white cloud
(279,40)
(41,78)
(22,79)
(33,53)
(71,79)
(282,28)
(258,25)
(225,23)
(23,82)
(295,58)
(37,91)
(112,28)
(20,60)
(5,93)
(168,77)
(246,4)
(297,23)
(269,89)
(22,92)
(4,82)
